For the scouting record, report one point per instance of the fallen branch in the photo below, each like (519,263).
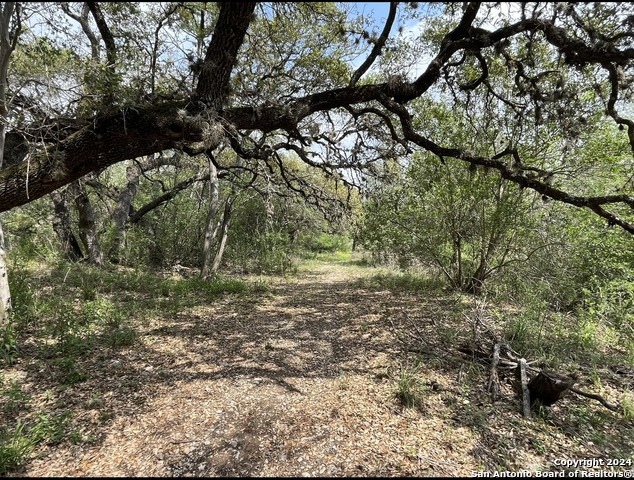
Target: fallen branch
(545,387)
(598,398)
(526,394)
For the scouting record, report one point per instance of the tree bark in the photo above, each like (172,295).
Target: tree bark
(494,381)
(231,27)
(62,226)
(122,212)
(476,282)
(5,292)
(211,228)
(137,215)
(127,132)
(8,42)
(224,229)
(526,394)
(87,226)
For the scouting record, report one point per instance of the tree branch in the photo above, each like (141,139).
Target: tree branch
(136,216)
(104,30)
(378,46)
(222,53)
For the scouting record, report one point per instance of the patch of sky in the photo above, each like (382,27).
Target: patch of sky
(407,27)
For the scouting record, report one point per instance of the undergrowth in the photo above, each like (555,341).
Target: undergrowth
(69,313)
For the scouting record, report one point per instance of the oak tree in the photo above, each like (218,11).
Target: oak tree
(264,79)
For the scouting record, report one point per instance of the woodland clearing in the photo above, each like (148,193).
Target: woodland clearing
(299,377)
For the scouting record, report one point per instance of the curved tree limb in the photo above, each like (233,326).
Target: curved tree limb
(378,46)
(509,172)
(137,215)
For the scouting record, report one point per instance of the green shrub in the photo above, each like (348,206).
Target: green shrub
(611,303)
(69,372)
(121,337)
(23,296)
(102,311)
(49,428)
(8,345)
(627,405)
(325,243)
(270,253)
(15,447)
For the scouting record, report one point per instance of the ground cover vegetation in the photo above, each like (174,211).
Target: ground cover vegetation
(346,213)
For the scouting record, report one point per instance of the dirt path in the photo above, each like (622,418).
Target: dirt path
(299,381)
(292,383)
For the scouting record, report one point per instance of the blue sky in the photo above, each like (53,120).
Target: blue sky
(380,9)
(376,10)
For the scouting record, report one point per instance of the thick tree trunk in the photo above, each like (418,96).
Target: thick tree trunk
(88,226)
(229,32)
(62,226)
(8,41)
(122,212)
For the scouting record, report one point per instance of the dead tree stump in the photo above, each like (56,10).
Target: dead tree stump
(549,387)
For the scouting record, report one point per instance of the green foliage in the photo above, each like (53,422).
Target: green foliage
(121,337)
(69,372)
(257,245)
(15,447)
(176,235)
(50,429)
(17,442)
(324,242)
(67,326)
(28,232)
(525,330)
(140,250)
(611,303)
(627,405)
(463,225)
(403,281)
(102,311)
(92,281)
(410,389)
(272,250)
(9,350)
(23,296)
(13,398)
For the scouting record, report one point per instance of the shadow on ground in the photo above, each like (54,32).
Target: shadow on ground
(247,360)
